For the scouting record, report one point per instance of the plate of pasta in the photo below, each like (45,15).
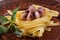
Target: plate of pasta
(31,26)
(36,21)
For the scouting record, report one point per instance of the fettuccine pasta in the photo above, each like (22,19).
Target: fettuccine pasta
(35,27)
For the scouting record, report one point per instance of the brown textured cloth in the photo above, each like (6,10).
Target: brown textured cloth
(54,34)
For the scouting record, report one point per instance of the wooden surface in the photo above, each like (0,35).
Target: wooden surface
(23,4)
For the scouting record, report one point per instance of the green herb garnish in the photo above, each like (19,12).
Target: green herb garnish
(17,31)
(13,17)
(3,19)
(3,29)
(12,25)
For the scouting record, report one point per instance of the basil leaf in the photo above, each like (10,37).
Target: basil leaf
(17,31)
(3,29)
(3,19)
(14,14)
